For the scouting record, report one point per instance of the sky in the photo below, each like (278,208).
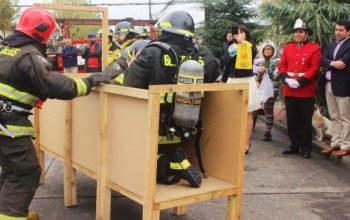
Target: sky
(139,11)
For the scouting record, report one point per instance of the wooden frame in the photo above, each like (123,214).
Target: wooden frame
(121,128)
(103,10)
(96,136)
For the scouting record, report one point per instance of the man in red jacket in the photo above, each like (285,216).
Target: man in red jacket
(299,65)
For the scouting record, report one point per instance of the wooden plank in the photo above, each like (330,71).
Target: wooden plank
(126,91)
(239,168)
(70,7)
(39,153)
(232,212)
(104,24)
(69,174)
(149,212)
(198,87)
(103,203)
(180,210)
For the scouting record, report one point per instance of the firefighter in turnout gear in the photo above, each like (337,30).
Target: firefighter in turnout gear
(26,81)
(125,34)
(158,64)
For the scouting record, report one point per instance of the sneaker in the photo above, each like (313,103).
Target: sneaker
(267,137)
(181,167)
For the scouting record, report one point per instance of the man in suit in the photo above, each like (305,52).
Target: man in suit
(336,60)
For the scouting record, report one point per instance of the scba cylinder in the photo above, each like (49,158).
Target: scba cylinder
(187,104)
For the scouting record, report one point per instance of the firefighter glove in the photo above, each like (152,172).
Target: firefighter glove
(97,78)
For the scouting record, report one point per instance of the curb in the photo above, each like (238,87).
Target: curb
(343,162)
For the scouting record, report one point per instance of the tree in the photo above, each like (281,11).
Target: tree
(78,31)
(220,15)
(320,15)
(8,13)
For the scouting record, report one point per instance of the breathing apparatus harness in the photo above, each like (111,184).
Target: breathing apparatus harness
(173,129)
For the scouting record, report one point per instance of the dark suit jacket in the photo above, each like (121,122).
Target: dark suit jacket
(340,80)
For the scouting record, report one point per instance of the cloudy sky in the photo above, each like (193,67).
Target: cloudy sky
(139,11)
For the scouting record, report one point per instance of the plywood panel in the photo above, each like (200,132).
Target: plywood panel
(127,140)
(52,126)
(85,130)
(223,133)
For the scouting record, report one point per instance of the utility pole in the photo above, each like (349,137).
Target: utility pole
(150,10)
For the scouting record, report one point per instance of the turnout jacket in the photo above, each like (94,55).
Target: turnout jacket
(155,66)
(300,62)
(26,81)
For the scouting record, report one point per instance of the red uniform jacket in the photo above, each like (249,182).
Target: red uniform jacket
(301,62)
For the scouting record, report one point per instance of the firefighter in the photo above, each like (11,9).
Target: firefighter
(113,48)
(25,82)
(124,33)
(157,65)
(118,66)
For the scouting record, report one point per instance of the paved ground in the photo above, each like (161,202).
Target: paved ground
(275,187)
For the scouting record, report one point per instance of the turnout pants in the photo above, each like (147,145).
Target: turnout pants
(20,175)
(299,113)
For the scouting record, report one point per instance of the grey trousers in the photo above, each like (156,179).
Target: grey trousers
(339,112)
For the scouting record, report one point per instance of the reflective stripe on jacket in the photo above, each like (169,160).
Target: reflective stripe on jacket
(26,80)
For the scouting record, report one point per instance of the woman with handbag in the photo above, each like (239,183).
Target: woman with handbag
(239,69)
(266,66)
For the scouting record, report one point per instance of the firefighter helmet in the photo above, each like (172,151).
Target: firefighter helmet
(37,23)
(300,24)
(141,32)
(99,33)
(136,46)
(177,22)
(124,27)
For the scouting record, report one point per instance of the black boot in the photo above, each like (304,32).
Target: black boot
(181,167)
(267,136)
(163,168)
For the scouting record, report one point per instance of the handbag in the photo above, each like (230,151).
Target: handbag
(265,89)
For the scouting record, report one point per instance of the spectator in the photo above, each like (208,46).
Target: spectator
(267,63)
(92,54)
(299,65)
(70,57)
(224,49)
(242,72)
(336,59)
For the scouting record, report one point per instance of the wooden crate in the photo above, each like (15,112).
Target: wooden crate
(112,136)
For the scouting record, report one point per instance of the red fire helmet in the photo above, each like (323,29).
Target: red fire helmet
(37,23)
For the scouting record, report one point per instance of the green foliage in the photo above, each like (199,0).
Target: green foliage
(78,31)
(8,14)
(320,15)
(220,15)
